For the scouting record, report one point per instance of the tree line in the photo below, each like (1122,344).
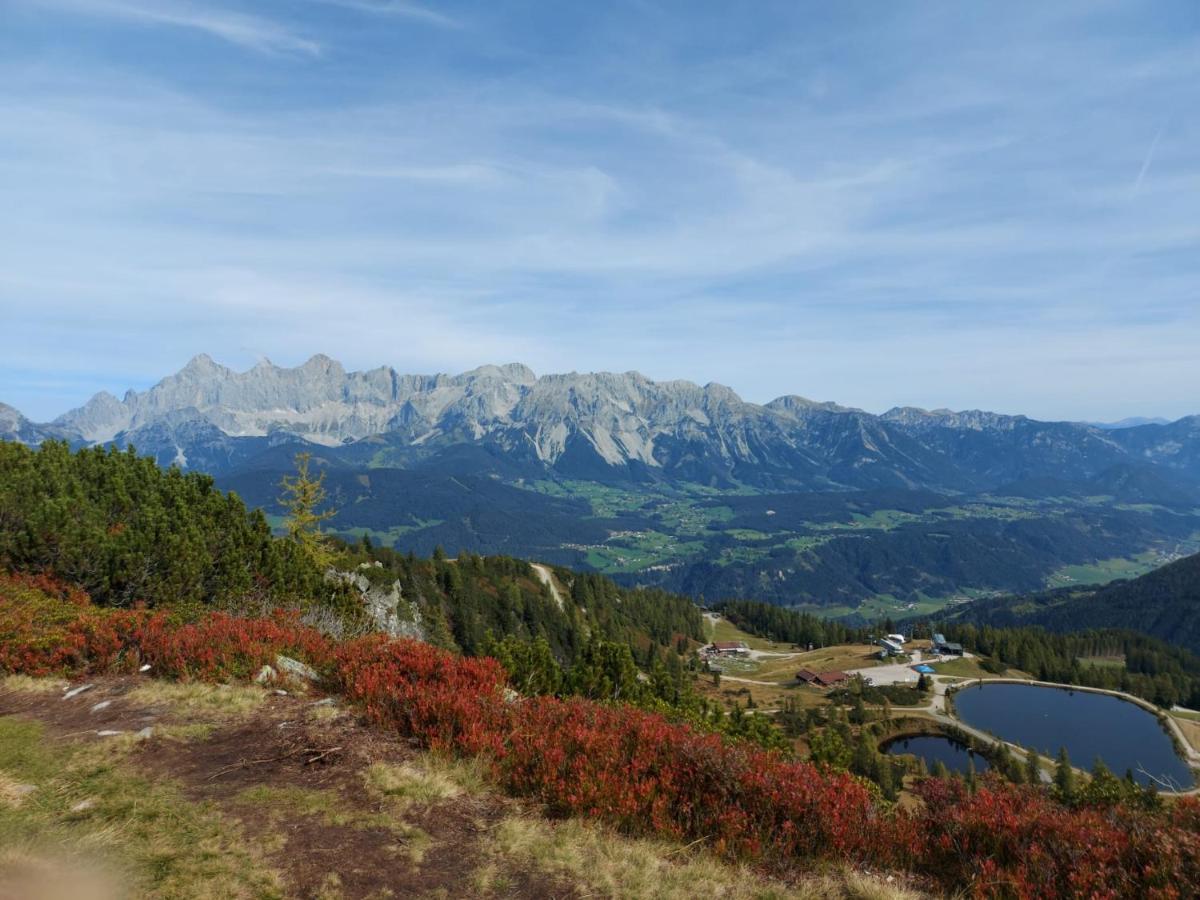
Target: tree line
(1104,658)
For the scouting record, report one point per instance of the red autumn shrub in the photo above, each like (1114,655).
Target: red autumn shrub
(1010,841)
(636,770)
(631,768)
(47,629)
(221,646)
(447,702)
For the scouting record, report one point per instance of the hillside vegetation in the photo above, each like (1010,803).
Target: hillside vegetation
(581,701)
(1161,604)
(644,775)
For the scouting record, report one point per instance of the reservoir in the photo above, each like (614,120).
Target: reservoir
(1089,725)
(934,748)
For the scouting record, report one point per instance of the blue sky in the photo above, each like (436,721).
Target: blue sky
(938,204)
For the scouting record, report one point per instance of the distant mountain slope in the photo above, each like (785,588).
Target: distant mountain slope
(1164,604)
(15,427)
(598,426)
(673,483)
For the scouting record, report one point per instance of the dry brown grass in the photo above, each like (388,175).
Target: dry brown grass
(608,865)
(1190,729)
(839,658)
(12,792)
(195,698)
(425,783)
(26,685)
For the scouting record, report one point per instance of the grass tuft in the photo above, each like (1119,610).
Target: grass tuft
(197,698)
(605,864)
(25,685)
(429,782)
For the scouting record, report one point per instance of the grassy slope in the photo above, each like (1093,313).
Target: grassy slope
(92,813)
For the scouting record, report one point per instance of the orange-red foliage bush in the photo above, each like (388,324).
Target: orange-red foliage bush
(635,769)
(1018,841)
(47,628)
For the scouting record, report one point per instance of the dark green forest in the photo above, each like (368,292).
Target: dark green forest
(1152,669)
(133,534)
(779,624)
(1162,603)
(129,532)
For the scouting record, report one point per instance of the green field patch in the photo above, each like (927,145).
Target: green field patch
(1105,570)
(748,534)
(391,535)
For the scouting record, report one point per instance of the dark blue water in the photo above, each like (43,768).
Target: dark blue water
(1089,725)
(931,748)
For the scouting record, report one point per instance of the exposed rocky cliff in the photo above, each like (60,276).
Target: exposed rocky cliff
(594,425)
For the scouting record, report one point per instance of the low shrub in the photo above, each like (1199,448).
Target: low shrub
(635,769)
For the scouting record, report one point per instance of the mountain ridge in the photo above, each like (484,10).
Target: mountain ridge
(602,425)
(1161,603)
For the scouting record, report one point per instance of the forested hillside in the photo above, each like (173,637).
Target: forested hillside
(684,487)
(127,531)
(1106,658)
(467,602)
(1164,603)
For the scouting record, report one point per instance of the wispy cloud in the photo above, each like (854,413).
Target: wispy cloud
(1149,158)
(242,29)
(597,186)
(397,8)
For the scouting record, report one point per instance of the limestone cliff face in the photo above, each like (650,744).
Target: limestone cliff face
(586,425)
(15,427)
(386,606)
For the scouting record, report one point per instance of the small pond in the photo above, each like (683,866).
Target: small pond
(935,748)
(1089,725)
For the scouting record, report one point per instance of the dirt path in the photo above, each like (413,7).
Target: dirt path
(547,578)
(295,775)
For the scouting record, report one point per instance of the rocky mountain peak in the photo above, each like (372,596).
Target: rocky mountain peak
(594,423)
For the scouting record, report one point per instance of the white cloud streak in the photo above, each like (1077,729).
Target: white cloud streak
(241,29)
(397,9)
(940,235)
(1149,158)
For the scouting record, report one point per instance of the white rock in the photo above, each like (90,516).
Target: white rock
(145,668)
(108,732)
(76,691)
(145,734)
(265,674)
(83,805)
(296,668)
(103,704)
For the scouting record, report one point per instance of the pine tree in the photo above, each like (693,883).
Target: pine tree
(1033,767)
(302,497)
(1064,777)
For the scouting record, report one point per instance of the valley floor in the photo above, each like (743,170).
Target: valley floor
(136,787)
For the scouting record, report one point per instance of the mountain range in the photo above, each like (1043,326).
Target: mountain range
(602,426)
(671,483)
